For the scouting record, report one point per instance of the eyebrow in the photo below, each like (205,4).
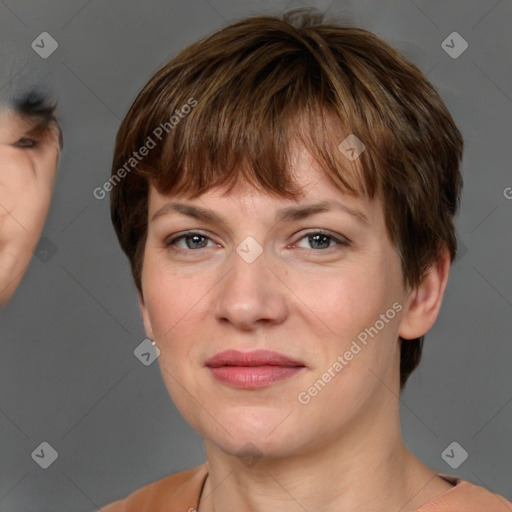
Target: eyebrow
(291,213)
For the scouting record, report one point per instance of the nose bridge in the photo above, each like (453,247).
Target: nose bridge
(248,293)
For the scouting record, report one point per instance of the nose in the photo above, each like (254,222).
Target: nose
(251,294)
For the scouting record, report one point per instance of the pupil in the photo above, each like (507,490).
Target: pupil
(194,240)
(316,237)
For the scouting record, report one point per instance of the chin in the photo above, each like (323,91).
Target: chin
(252,449)
(264,435)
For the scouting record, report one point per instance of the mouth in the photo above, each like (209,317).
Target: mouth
(252,370)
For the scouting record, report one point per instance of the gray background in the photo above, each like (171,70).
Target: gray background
(68,375)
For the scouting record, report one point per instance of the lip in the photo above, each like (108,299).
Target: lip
(252,370)
(252,358)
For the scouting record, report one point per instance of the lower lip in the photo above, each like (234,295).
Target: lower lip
(254,377)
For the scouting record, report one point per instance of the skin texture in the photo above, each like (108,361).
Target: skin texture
(28,166)
(341,451)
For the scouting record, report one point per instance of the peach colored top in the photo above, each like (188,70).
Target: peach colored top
(181,492)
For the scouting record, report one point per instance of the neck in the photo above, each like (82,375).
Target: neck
(363,468)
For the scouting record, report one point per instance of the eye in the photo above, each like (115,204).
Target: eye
(25,143)
(322,240)
(192,239)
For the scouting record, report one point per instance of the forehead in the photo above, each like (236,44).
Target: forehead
(12,123)
(9,121)
(314,185)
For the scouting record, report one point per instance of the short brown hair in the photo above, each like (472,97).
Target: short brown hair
(264,82)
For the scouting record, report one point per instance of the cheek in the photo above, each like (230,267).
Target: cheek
(350,304)
(174,306)
(171,296)
(172,331)
(346,300)
(15,169)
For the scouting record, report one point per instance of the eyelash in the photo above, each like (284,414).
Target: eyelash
(340,241)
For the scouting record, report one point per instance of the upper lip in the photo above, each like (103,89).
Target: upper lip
(252,358)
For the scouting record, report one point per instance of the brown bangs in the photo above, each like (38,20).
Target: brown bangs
(247,115)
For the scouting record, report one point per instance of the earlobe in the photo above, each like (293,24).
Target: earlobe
(145,317)
(425,301)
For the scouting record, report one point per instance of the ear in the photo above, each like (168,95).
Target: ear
(424,302)
(145,318)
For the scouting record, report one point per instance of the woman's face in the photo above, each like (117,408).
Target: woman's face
(261,281)
(28,166)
